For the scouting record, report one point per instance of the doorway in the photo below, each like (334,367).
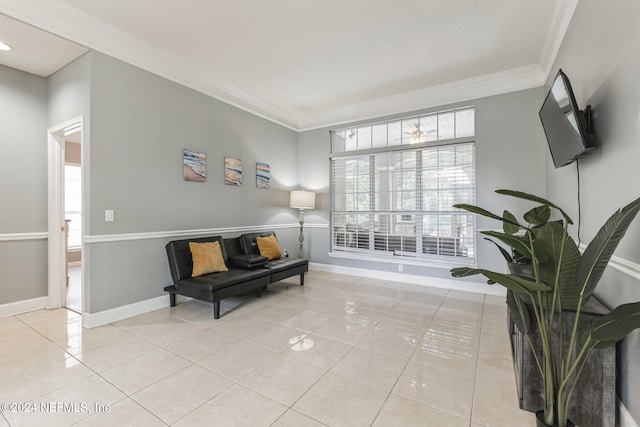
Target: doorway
(66,212)
(73,215)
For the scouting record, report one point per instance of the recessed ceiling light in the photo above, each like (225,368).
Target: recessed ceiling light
(4,46)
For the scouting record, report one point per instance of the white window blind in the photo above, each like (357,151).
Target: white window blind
(397,201)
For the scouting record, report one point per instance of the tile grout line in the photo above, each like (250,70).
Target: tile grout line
(331,316)
(475,377)
(289,407)
(96,373)
(409,359)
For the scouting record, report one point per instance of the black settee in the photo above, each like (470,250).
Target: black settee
(247,270)
(278,268)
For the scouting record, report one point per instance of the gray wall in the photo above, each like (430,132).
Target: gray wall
(140,125)
(69,94)
(70,97)
(507,131)
(133,155)
(23,163)
(600,56)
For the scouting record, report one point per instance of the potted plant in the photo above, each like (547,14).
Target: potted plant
(560,278)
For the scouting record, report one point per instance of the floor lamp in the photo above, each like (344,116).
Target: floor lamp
(302,200)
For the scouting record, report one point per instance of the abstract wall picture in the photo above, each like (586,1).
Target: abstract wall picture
(195,165)
(232,171)
(263,175)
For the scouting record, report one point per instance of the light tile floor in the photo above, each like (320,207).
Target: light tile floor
(340,351)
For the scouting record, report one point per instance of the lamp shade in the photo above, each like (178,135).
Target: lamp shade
(301,199)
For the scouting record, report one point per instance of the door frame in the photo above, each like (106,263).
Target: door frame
(57,289)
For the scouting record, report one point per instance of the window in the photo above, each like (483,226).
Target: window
(393,187)
(73,204)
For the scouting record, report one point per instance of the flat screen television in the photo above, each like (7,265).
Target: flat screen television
(568,129)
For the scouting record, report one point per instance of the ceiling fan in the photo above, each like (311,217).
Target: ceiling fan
(417,134)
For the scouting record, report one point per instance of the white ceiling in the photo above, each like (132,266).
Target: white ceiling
(313,63)
(33,50)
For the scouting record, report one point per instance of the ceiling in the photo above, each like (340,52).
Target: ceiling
(304,64)
(33,50)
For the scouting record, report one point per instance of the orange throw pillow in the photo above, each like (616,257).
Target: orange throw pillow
(269,247)
(207,258)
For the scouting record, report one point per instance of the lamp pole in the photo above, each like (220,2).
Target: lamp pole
(301,235)
(302,200)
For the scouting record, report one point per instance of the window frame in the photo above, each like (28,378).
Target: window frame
(417,256)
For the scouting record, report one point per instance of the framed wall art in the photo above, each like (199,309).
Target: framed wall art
(194,165)
(232,171)
(263,175)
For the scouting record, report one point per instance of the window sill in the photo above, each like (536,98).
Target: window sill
(445,264)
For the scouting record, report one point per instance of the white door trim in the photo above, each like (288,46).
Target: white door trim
(56,238)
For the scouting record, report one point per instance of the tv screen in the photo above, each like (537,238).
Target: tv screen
(567,127)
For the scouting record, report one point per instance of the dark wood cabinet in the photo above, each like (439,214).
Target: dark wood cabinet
(593,402)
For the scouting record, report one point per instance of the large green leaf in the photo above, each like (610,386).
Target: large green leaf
(480,211)
(532,198)
(509,281)
(515,283)
(538,215)
(465,271)
(518,312)
(615,325)
(559,268)
(518,243)
(598,253)
(507,256)
(508,226)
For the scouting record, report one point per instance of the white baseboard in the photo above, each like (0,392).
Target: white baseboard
(92,320)
(624,417)
(25,306)
(434,282)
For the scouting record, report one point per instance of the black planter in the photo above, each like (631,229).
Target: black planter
(540,422)
(525,270)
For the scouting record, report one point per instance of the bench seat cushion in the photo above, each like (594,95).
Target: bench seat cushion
(281,264)
(280,268)
(287,267)
(216,281)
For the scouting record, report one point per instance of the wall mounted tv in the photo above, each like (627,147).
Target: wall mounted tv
(568,129)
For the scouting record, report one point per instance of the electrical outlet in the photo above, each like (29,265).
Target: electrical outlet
(400,268)
(108,215)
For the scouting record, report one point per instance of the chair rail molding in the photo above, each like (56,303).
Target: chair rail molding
(103,238)
(12,237)
(623,265)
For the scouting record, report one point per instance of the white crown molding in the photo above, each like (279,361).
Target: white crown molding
(23,236)
(563,14)
(65,21)
(464,90)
